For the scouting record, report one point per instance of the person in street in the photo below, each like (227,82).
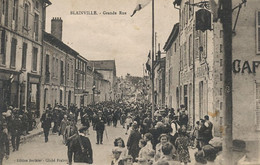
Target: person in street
(208,131)
(64,123)
(128,122)
(4,143)
(46,123)
(164,138)
(116,157)
(119,142)
(143,157)
(100,127)
(70,132)
(168,155)
(182,144)
(133,141)
(16,130)
(81,147)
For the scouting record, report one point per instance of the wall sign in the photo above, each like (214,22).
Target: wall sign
(245,66)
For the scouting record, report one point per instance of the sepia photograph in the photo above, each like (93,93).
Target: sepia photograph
(129,82)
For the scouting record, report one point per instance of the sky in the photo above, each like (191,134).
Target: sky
(122,38)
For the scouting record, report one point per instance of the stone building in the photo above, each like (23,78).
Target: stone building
(58,69)
(200,80)
(172,68)
(159,81)
(21,40)
(246,76)
(80,81)
(108,69)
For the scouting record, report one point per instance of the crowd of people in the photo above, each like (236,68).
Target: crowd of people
(165,139)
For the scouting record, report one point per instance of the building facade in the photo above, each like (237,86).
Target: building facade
(246,76)
(172,67)
(108,69)
(21,26)
(58,68)
(159,81)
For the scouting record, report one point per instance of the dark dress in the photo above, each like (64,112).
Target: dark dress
(132,144)
(85,156)
(182,143)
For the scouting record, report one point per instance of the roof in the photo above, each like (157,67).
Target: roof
(172,37)
(59,44)
(104,65)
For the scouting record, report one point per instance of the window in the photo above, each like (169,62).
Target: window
(5,11)
(220,77)
(2,47)
(201,107)
(221,34)
(220,91)
(68,71)
(258,32)
(184,55)
(36,27)
(190,50)
(61,73)
(221,48)
(175,46)
(72,72)
(53,66)
(37,5)
(15,10)
(221,62)
(221,105)
(13,53)
(257,105)
(24,55)
(34,59)
(47,66)
(26,15)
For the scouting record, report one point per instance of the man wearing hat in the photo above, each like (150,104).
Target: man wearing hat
(16,130)
(81,147)
(100,127)
(4,144)
(46,120)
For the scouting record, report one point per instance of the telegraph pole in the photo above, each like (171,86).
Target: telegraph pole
(152,60)
(226,19)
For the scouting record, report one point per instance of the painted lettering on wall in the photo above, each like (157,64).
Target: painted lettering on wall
(245,66)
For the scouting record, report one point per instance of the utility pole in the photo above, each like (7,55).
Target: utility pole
(152,60)
(226,19)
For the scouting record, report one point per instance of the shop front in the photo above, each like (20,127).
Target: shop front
(33,93)
(9,86)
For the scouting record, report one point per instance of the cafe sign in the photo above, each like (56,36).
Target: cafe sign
(240,66)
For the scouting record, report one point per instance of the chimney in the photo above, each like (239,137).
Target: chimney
(56,27)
